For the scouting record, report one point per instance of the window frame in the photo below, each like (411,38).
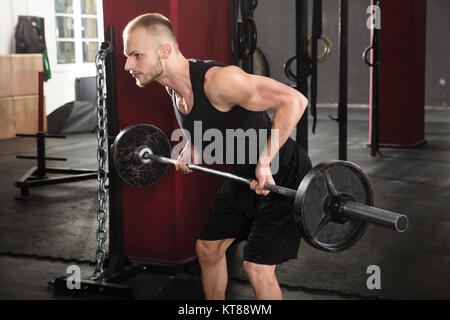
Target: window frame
(78,39)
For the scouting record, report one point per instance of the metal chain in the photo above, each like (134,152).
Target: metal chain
(102,154)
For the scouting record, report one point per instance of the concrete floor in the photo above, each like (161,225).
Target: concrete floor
(55,228)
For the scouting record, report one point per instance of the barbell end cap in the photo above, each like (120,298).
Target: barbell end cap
(402,223)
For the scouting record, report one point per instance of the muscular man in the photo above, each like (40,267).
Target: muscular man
(225,97)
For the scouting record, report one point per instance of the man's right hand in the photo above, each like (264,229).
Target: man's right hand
(183,159)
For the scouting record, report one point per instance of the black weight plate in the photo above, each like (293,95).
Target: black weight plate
(346,177)
(126,149)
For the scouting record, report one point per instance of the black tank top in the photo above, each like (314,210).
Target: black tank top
(234,123)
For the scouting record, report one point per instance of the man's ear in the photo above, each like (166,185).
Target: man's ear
(165,50)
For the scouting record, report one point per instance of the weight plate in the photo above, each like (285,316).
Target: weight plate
(126,148)
(318,230)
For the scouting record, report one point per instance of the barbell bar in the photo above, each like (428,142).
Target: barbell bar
(348,208)
(147,154)
(333,203)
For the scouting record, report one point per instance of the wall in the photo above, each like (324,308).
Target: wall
(276,37)
(275,21)
(438,53)
(60,89)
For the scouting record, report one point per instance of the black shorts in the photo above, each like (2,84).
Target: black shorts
(266,222)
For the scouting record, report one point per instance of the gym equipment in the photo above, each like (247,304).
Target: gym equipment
(132,167)
(343,79)
(316,34)
(304,65)
(260,64)
(301,52)
(150,230)
(179,221)
(374,61)
(37,176)
(328,48)
(341,118)
(333,203)
(244,33)
(306,56)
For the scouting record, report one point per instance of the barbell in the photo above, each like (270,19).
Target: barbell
(333,203)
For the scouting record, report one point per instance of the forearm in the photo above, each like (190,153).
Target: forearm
(191,153)
(285,120)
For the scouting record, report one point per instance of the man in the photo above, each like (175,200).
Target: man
(224,97)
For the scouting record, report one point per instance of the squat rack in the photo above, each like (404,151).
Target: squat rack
(116,267)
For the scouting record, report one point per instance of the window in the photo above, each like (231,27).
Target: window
(77,30)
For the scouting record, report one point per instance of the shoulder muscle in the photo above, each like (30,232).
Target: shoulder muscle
(226,86)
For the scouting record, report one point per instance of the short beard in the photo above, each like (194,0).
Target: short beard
(158,71)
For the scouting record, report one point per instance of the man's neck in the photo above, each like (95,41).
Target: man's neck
(176,75)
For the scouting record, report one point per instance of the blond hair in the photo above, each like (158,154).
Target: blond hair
(155,24)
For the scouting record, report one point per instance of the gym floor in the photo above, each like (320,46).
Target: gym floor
(56,227)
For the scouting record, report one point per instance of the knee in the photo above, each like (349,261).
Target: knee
(259,274)
(208,251)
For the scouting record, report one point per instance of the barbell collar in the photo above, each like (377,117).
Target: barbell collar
(143,155)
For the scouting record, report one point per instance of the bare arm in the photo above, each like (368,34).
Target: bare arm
(229,86)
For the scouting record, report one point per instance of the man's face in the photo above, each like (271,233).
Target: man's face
(143,61)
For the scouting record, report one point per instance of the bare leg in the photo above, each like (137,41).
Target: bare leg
(212,259)
(263,280)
